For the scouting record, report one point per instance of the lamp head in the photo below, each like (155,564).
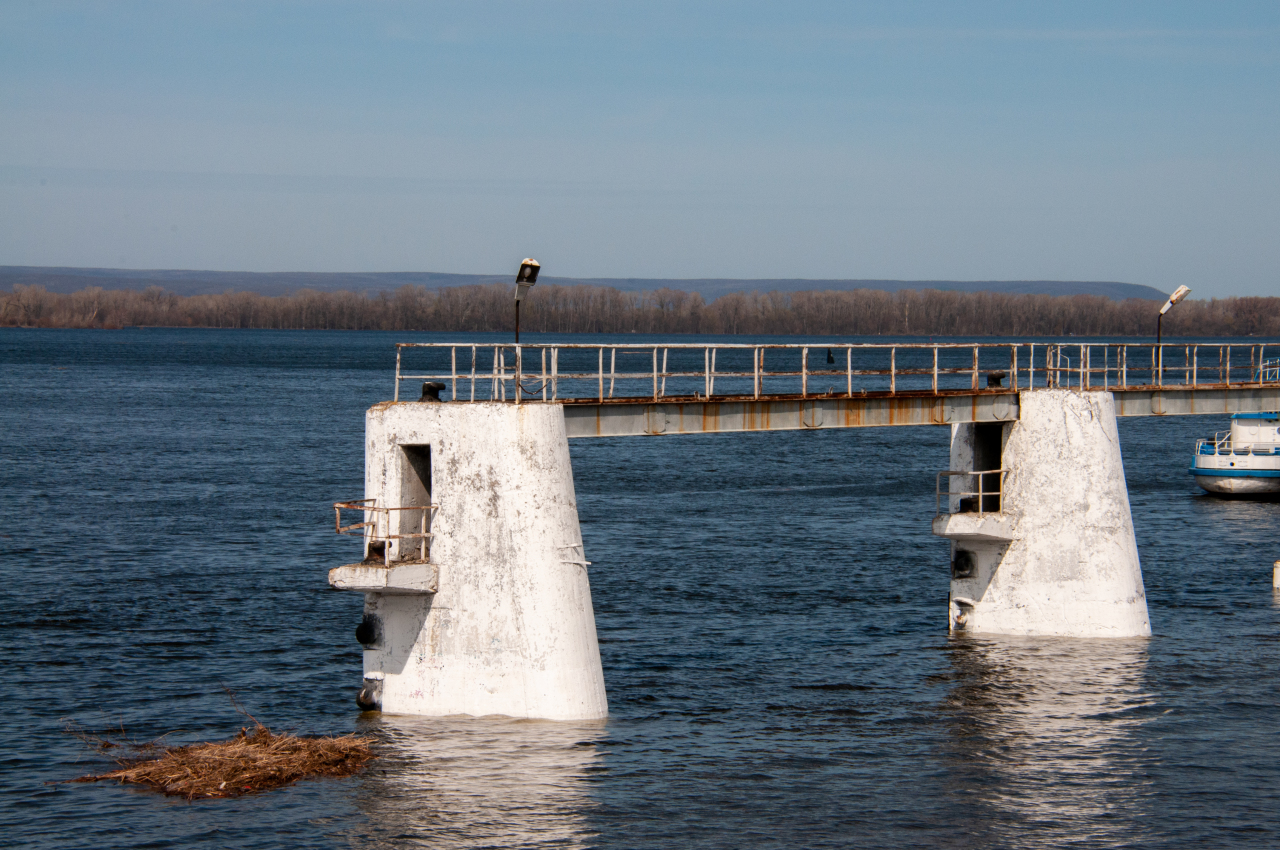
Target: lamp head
(1178,294)
(526,277)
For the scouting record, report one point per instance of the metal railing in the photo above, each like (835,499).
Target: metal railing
(985,499)
(376,529)
(576,372)
(1221,445)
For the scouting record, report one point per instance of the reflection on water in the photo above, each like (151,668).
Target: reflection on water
(471,782)
(1044,743)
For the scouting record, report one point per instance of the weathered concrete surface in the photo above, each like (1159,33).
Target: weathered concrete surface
(511,629)
(993,528)
(1071,566)
(402,578)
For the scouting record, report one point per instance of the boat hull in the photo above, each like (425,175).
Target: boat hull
(1238,485)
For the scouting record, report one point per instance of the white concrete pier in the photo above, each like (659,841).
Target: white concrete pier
(1053,553)
(475,580)
(501,623)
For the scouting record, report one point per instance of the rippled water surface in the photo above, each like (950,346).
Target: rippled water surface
(771,610)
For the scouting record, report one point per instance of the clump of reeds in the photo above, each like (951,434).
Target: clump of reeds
(256,759)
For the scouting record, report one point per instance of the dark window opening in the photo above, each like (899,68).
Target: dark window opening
(415,492)
(988,439)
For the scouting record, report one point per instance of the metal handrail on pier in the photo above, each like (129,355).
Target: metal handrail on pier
(376,526)
(604,373)
(983,500)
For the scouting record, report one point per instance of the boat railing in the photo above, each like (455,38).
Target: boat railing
(978,491)
(1221,445)
(376,527)
(684,371)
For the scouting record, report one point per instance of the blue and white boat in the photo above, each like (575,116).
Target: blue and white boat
(1244,461)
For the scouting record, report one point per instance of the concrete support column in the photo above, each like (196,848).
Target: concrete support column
(1058,557)
(509,629)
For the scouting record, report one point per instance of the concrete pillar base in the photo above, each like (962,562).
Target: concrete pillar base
(509,629)
(1061,558)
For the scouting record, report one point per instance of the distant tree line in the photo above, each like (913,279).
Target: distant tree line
(598,309)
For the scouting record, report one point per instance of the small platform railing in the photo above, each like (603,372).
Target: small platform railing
(601,373)
(376,526)
(987,498)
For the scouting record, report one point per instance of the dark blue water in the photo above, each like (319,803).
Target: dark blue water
(771,610)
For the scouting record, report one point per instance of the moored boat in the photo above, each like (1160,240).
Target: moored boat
(1244,461)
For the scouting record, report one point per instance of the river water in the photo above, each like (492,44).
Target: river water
(771,610)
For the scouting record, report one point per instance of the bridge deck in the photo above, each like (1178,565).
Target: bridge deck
(664,388)
(628,417)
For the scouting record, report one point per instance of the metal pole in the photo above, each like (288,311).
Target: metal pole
(655,373)
(1159,330)
(848,370)
(755,368)
(517,323)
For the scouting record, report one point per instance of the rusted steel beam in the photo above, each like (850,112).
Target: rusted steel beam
(626,417)
(1201,400)
(689,416)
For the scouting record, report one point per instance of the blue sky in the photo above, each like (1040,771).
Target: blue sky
(1088,141)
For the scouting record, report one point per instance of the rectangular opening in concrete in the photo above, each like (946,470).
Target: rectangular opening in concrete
(415,493)
(988,452)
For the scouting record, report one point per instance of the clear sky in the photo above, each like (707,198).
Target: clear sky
(972,141)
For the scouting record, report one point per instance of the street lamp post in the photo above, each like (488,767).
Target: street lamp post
(1178,294)
(525,279)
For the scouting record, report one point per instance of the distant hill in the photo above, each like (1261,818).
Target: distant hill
(182,282)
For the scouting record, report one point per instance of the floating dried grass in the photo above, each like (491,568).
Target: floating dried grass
(256,759)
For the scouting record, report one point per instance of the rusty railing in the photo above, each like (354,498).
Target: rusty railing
(376,529)
(986,499)
(601,373)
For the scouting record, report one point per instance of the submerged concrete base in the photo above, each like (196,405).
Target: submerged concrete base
(1059,557)
(509,628)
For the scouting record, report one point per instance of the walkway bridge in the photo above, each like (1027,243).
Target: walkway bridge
(626,390)
(474,575)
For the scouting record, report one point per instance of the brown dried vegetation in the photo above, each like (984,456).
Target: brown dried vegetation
(254,760)
(597,309)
